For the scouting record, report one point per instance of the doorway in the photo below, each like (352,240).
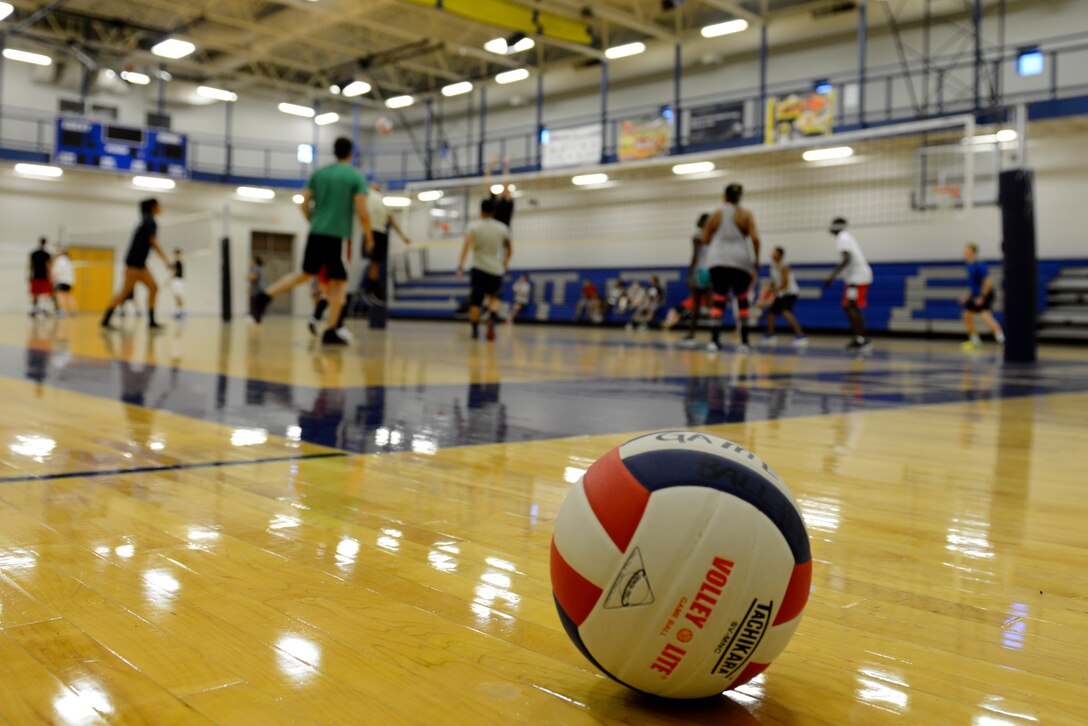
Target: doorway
(93,288)
(277,251)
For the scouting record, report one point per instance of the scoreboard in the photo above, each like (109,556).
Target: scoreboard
(110,147)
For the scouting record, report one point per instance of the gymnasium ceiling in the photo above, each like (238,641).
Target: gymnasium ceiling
(399,46)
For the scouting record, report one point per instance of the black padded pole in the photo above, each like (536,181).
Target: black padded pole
(1021,264)
(224,252)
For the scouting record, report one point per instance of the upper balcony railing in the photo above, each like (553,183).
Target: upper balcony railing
(922,88)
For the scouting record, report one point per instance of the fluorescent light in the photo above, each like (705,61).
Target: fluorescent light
(1002,136)
(296,110)
(399,102)
(497,189)
(334,89)
(298,199)
(694,167)
(153,182)
(522,45)
(622,51)
(256,193)
(217,93)
(139,79)
(836,152)
(356,88)
(173,48)
(6,9)
(518,74)
(41,170)
(25,56)
(396,201)
(456,89)
(327,118)
(497,46)
(718,29)
(431,196)
(587,179)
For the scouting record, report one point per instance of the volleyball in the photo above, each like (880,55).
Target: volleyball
(680,564)
(384,126)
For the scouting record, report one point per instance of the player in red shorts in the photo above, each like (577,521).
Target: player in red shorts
(40,263)
(858,276)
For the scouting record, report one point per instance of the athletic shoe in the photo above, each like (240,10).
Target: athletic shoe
(713,347)
(969,345)
(768,339)
(314,325)
(333,336)
(154,326)
(744,349)
(688,341)
(799,341)
(855,344)
(260,305)
(346,334)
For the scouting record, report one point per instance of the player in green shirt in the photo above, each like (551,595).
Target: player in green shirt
(334,194)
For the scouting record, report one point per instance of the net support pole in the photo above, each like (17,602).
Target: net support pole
(967,193)
(224,253)
(863,46)
(1021,278)
(604,111)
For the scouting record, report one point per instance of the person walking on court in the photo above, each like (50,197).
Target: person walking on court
(40,285)
(733,259)
(979,301)
(858,276)
(144,239)
(489,241)
(381,221)
(523,293)
(177,285)
(333,195)
(786,290)
(64,277)
(256,281)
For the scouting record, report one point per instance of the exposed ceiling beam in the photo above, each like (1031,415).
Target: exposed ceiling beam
(584,11)
(736,10)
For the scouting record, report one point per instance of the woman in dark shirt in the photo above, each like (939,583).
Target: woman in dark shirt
(143,241)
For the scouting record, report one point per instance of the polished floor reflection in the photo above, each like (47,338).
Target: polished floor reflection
(228,524)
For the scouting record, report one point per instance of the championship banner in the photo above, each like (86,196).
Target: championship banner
(796,117)
(577,146)
(716,123)
(645,138)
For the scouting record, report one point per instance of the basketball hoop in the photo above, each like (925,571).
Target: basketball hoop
(946,196)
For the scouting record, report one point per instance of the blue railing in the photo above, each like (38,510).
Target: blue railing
(943,86)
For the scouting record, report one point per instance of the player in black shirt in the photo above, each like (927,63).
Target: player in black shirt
(143,241)
(40,262)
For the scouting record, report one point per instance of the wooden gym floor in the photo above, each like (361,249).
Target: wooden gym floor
(227,524)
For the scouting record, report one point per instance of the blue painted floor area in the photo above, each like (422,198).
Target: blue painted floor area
(425,418)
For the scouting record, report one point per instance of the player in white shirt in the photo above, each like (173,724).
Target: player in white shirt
(489,241)
(785,290)
(64,277)
(858,276)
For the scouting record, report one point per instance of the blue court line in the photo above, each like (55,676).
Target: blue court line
(170,467)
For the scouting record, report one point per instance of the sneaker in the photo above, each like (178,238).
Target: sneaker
(333,336)
(713,347)
(799,341)
(969,345)
(1000,340)
(260,305)
(688,341)
(314,325)
(491,332)
(629,326)
(768,339)
(744,349)
(154,326)
(346,334)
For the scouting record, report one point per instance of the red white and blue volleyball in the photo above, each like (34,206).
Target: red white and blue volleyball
(680,564)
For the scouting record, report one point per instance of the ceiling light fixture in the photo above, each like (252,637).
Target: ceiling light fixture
(327,118)
(258,193)
(356,88)
(719,29)
(518,74)
(399,102)
(457,89)
(396,201)
(173,48)
(218,94)
(583,180)
(39,170)
(624,51)
(431,196)
(136,78)
(6,9)
(25,56)
(835,152)
(296,110)
(694,167)
(157,183)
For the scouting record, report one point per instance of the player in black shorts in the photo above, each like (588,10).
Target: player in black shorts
(504,199)
(143,241)
(381,221)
